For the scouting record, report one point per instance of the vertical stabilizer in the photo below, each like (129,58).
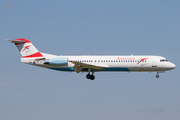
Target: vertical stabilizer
(26,48)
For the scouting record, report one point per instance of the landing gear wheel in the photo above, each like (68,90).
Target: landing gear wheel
(88,76)
(157,76)
(92,77)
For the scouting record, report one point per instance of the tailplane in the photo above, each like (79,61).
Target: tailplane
(26,48)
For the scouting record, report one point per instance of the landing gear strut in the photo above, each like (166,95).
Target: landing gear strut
(88,76)
(157,76)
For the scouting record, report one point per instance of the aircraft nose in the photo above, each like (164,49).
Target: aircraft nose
(172,66)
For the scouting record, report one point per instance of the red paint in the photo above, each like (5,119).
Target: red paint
(125,58)
(142,60)
(23,40)
(38,54)
(26,47)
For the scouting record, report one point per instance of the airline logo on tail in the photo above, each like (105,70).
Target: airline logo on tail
(24,44)
(26,47)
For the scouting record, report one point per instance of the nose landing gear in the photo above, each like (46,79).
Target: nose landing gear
(88,76)
(157,76)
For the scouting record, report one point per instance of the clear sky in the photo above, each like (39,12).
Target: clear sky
(89,27)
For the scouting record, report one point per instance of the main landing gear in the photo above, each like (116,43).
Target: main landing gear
(88,76)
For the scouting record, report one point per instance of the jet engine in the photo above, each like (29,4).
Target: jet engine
(56,61)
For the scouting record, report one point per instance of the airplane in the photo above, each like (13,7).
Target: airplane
(91,64)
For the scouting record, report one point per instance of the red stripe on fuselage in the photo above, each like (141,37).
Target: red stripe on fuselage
(38,54)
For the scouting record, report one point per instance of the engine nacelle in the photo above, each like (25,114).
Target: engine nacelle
(56,61)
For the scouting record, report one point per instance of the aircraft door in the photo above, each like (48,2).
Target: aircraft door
(154,63)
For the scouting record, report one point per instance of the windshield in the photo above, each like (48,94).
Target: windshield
(163,60)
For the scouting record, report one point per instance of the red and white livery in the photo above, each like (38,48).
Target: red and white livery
(91,64)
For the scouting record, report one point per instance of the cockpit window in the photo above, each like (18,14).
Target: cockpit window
(163,60)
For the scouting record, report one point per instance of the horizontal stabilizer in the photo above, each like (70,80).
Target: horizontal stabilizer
(16,41)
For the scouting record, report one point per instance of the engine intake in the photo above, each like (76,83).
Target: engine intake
(56,61)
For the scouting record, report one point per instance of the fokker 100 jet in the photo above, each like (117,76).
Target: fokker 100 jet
(91,64)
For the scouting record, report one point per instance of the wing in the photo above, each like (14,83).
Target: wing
(78,66)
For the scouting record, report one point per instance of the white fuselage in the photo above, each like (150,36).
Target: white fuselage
(30,55)
(109,63)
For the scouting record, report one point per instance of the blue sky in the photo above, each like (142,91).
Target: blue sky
(96,27)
